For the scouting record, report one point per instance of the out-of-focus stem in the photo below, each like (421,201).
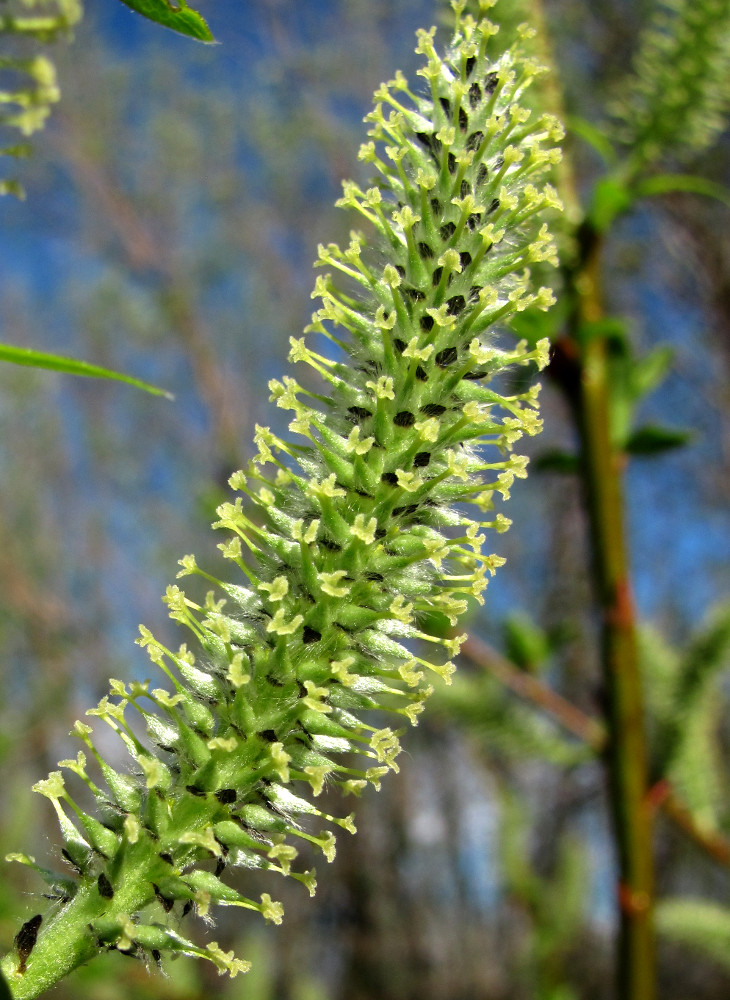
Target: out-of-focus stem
(585,378)
(626,750)
(571,718)
(592,732)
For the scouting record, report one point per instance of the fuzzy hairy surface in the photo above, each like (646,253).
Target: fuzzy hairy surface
(343,537)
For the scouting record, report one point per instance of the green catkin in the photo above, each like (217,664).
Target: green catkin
(31,86)
(343,537)
(675,102)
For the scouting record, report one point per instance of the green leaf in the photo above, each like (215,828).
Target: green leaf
(611,329)
(611,198)
(649,372)
(593,136)
(652,440)
(4,989)
(699,924)
(56,363)
(556,460)
(526,644)
(667,183)
(174,14)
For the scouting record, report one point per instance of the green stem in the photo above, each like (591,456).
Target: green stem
(581,367)
(65,942)
(626,750)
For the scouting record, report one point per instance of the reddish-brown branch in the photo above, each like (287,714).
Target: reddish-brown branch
(592,732)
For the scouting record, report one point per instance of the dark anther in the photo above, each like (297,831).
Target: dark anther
(433,409)
(380,533)
(499,163)
(429,142)
(104,886)
(490,82)
(310,635)
(493,206)
(464,189)
(421,374)
(465,258)
(436,206)
(463,120)
(456,305)
(274,681)
(400,345)
(167,858)
(25,940)
(156,955)
(220,867)
(269,735)
(375,577)
(401,270)
(425,139)
(134,951)
(194,790)
(187,908)
(436,277)
(327,543)
(474,141)
(475,94)
(414,294)
(474,376)
(446,357)
(359,411)
(410,508)
(470,64)
(451,163)
(226,796)
(422,459)
(390,478)
(67,857)
(404,418)
(482,173)
(165,903)
(424,251)
(474,293)
(426,323)
(304,736)
(474,220)
(447,230)
(446,105)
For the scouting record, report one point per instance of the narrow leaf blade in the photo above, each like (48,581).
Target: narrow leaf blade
(668,183)
(652,440)
(70,366)
(174,14)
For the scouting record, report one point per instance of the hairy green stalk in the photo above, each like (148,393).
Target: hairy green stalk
(342,540)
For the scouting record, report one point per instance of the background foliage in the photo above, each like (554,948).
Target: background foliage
(172,237)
